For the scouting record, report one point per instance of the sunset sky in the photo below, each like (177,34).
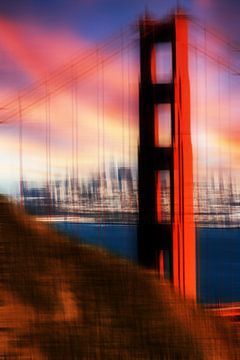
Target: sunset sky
(39,36)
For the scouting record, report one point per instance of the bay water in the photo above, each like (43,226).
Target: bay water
(217,254)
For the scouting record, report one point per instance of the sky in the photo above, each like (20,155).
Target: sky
(39,36)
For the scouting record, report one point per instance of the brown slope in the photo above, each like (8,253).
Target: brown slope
(60,300)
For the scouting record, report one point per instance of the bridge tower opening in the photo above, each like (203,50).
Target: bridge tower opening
(166,230)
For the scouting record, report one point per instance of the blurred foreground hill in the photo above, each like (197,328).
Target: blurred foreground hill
(61,300)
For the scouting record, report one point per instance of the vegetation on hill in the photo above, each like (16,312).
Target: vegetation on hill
(61,300)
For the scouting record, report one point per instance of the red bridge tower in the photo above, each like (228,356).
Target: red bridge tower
(166,231)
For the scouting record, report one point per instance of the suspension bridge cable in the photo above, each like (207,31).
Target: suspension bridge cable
(197,183)
(214,33)
(98,138)
(90,70)
(76,95)
(218,60)
(47,142)
(229,141)
(122,99)
(20,151)
(73,135)
(128,105)
(103,143)
(54,76)
(75,59)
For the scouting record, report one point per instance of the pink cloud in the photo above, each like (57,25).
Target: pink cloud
(37,51)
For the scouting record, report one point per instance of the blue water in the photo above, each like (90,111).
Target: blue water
(119,239)
(218,255)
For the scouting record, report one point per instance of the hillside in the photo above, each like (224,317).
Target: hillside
(60,300)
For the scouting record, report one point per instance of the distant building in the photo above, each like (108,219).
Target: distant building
(125,179)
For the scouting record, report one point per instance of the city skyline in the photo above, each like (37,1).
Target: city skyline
(216,202)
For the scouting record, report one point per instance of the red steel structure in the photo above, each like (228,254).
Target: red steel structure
(166,230)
